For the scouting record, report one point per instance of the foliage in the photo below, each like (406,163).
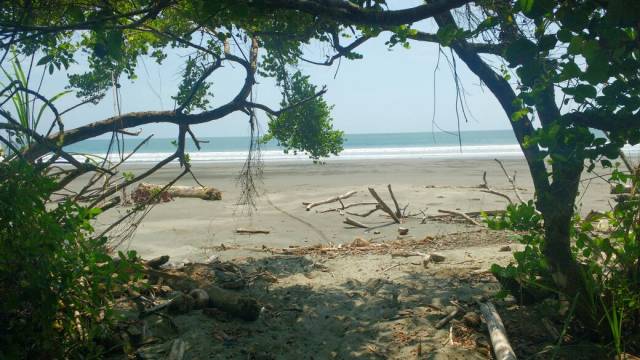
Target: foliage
(57,283)
(24,104)
(306,127)
(608,253)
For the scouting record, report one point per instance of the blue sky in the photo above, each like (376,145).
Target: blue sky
(387,91)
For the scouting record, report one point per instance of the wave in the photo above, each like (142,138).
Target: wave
(434,152)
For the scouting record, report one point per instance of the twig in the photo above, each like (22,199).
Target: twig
(345,206)
(355,223)
(512,180)
(445,320)
(251,231)
(461,214)
(494,192)
(330,200)
(390,267)
(364,214)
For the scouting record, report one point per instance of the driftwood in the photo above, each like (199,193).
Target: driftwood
(461,214)
(405,253)
(497,332)
(445,320)
(345,206)
(487,189)
(178,348)
(395,202)
(350,221)
(366,213)
(243,231)
(243,307)
(383,206)
(330,200)
(157,262)
(145,191)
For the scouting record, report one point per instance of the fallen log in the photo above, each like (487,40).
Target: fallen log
(146,191)
(330,200)
(243,307)
(497,332)
(383,205)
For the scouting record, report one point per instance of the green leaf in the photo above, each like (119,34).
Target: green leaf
(447,34)
(43,60)
(581,92)
(526,5)
(521,51)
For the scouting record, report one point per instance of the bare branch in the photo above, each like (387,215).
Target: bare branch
(348,12)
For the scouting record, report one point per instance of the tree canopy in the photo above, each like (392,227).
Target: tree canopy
(564,72)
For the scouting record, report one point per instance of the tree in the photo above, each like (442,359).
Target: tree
(570,67)
(583,51)
(113,37)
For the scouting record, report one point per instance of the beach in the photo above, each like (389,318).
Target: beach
(331,289)
(188,229)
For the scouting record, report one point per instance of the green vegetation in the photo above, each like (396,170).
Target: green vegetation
(306,127)
(607,247)
(584,52)
(57,282)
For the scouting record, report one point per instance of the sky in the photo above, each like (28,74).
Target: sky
(387,91)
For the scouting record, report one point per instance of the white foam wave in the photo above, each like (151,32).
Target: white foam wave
(435,152)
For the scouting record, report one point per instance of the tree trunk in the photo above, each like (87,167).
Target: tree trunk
(555,201)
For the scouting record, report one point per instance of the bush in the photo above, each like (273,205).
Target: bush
(608,254)
(57,283)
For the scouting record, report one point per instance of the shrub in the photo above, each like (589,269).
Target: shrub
(57,283)
(608,254)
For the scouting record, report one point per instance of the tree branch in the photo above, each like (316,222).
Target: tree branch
(349,12)
(285,109)
(481,48)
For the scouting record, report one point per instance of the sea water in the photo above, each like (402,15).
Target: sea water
(419,145)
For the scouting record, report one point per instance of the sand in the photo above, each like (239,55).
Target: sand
(352,303)
(187,229)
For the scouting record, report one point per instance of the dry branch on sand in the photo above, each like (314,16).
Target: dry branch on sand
(145,191)
(243,231)
(383,206)
(232,303)
(461,214)
(330,200)
(497,332)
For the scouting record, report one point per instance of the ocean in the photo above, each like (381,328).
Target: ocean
(418,145)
